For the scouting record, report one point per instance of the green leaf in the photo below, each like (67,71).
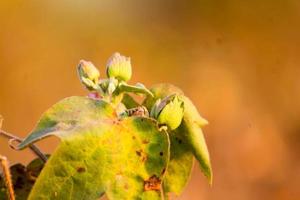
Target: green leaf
(191,128)
(118,158)
(69,114)
(191,135)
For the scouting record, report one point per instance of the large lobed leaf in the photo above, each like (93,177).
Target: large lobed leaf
(99,154)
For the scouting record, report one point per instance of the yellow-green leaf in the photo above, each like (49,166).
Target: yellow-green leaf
(112,157)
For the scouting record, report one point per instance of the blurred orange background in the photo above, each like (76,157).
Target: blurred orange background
(237,60)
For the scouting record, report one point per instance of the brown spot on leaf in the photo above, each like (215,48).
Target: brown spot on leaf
(144,158)
(133,137)
(142,154)
(139,153)
(81,169)
(163,171)
(178,140)
(153,183)
(119,173)
(161,153)
(145,141)
(126,187)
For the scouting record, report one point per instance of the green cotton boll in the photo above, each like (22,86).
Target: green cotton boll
(119,67)
(88,74)
(172,113)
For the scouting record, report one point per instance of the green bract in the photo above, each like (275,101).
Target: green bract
(119,67)
(110,145)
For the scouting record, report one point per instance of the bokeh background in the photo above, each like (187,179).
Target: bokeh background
(237,60)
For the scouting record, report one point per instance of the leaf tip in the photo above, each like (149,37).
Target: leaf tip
(203,122)
(210,178)
(208,173)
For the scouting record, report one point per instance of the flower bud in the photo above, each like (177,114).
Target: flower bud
(169,111)
(119,67)
(88,74)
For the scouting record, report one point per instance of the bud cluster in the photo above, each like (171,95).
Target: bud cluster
(118,71)
(167,111)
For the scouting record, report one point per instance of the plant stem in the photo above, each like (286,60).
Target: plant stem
(7,177)
(12,138)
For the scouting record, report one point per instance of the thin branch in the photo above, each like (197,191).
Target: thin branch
(7,178)
(12,138)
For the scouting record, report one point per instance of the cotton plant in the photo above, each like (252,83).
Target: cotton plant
(112,145)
